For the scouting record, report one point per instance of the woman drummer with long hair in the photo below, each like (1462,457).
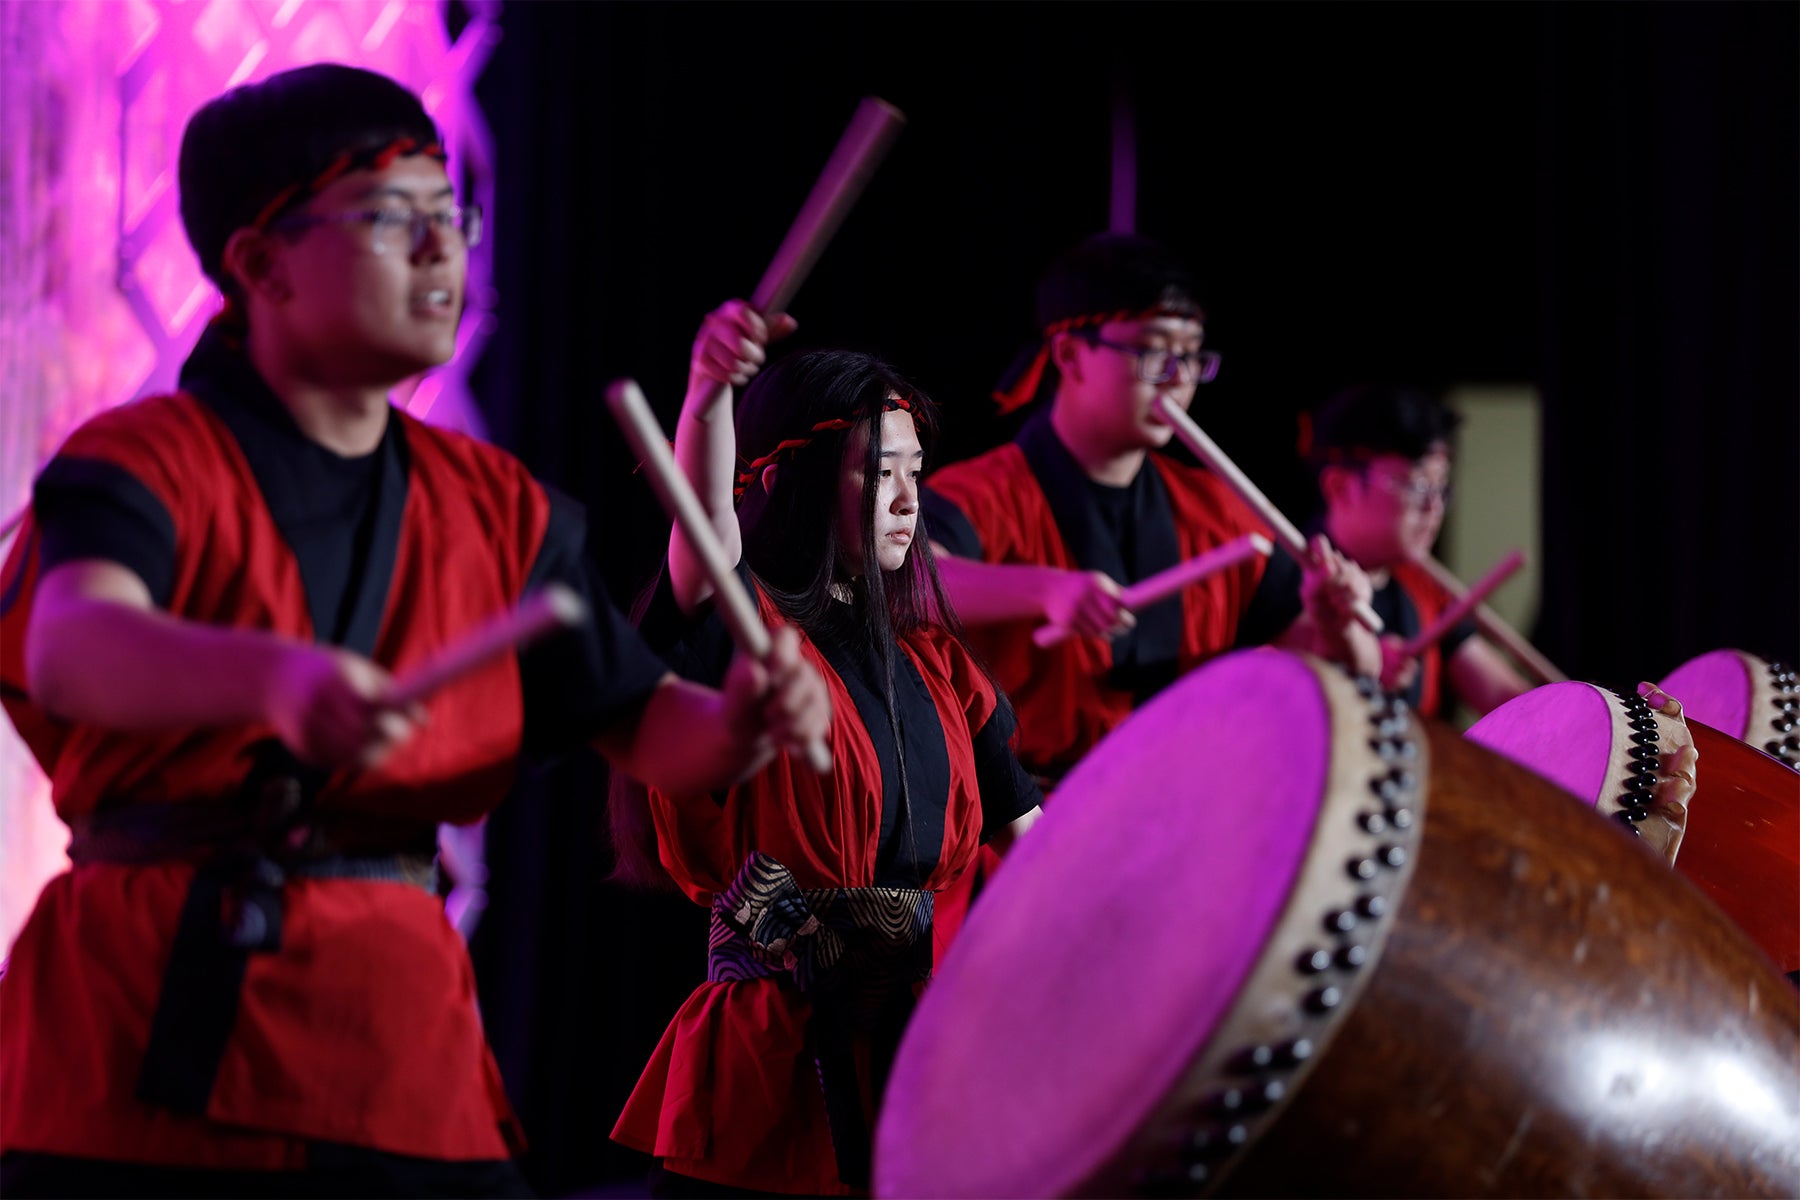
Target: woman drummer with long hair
(820,884)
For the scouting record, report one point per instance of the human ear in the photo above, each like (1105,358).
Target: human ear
(768,479)
(1336,484)
(1065,354)
(250,257)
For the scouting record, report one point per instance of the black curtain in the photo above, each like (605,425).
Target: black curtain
(1668,315)
(1599,199)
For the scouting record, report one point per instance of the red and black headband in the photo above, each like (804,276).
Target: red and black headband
(755,467)
(1020,391)
(370,158)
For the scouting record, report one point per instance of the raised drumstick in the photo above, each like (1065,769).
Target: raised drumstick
(1166,583)
(556,606)
(13,522)
(872,130)
(633,413)
(1208,452)
(1468,603)
(1493,626)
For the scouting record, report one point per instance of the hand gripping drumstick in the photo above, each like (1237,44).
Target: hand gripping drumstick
(1166,583)
(678,499)
(1501,572)
(1495,627)
(555,606)
(1208,452)
(866,140)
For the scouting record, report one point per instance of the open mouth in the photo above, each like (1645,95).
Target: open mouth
(434,301)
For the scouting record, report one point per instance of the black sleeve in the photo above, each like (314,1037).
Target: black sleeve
(946,525)
(696,646)
(1007,790)
(89,508)
(581,683)
(1275,604)
(1459,633)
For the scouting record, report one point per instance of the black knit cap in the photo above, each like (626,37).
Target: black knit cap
(243,149)
(1371,419)
(1106,277)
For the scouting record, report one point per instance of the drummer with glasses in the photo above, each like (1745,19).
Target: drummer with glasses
(1382,454)
(1049,527)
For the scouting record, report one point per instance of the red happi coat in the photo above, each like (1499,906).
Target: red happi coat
(1064,700)
(362,1028)
(1429,600)
(731,1094)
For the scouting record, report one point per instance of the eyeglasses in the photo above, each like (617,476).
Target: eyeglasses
(458,227)
(1414,493)
(1156,365)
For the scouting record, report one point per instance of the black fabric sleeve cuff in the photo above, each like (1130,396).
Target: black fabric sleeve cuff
(696,646)
(1275,604)
(1008,791)
(89,508)
(581,683)
(946,525)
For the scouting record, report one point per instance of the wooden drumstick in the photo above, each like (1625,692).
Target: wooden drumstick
(672,488)
(556,606)
(872,130)
(1495,627)
(13,522)
(1483,587)
(1208,452)
(1166,583)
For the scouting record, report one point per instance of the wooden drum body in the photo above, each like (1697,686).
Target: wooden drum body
(1278,936)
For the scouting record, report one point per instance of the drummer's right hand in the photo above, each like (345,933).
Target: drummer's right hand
(328,707)
(780,703)
(731,347)
(1397,669)
(1088,604)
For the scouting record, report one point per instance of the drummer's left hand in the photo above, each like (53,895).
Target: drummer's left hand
(1331,588)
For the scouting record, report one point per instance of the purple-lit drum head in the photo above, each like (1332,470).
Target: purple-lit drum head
(1738,693)
(1715,688)
(1611,751)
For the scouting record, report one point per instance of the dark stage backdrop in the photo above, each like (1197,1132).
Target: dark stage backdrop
(1596,199)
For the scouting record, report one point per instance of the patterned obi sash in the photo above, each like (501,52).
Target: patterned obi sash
(859,956)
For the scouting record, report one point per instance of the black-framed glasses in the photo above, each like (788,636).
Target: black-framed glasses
(1158,365)
(1414,493)
(458,226)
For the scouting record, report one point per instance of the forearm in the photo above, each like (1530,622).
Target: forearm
(684,741)
(984,593)
(101,662)
(1481,678)
(706,452)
